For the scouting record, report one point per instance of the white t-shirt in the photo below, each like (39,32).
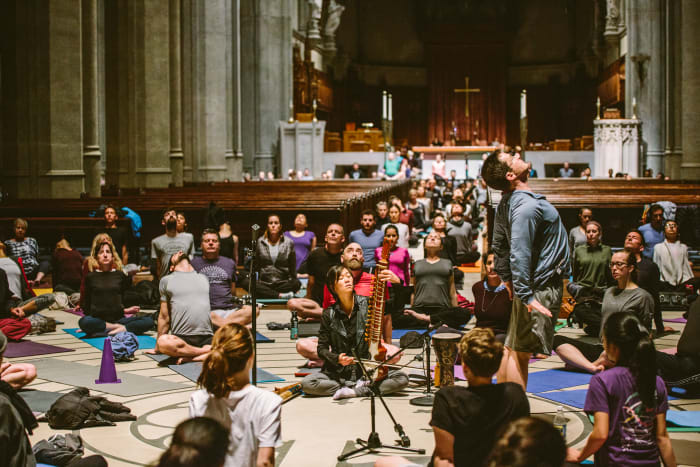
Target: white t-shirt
(253,415)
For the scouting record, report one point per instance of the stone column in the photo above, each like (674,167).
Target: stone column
(42,143)
(137,43)
(176,155)
(266,65)
(645,74)
(234,154)
(91,145)
(690,121)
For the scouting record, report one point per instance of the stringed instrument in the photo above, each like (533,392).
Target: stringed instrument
(377,302)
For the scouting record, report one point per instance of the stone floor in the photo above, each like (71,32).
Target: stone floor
(315,431)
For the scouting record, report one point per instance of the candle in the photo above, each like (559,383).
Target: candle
(523,104)
(389,107)
(384,102)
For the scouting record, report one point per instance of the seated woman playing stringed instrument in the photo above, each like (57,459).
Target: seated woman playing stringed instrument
(342,331)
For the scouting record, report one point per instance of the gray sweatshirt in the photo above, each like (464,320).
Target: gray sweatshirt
(530,243)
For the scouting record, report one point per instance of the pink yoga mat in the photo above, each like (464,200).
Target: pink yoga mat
(671,351)
(675,320)
(75,311)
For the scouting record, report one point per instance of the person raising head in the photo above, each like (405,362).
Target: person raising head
(532,257)
(628,402)
(252,414)
(197,442)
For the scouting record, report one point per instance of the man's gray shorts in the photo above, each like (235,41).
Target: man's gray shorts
(225,313)
(534,332)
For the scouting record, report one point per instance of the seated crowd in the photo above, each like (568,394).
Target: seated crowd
(200,318)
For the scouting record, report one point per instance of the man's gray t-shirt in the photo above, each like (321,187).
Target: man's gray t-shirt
(433,283)
(188,296)
(163,247)
(14,276)
(637,301)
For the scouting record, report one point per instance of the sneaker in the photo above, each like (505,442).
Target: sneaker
(344,393)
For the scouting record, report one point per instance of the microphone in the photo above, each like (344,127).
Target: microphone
(256,232)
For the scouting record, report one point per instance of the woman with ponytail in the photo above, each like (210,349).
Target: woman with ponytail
(252,415)
(628,402)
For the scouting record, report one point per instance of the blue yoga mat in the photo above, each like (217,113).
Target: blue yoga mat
(399,333)
(551,380)
(573,398)
(145,342)
(684,418)
(260,339)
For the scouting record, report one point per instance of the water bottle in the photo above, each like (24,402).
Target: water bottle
(560,421)
(294,327)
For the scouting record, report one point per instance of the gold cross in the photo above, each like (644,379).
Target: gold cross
(466,92)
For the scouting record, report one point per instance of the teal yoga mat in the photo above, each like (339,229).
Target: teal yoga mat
(684,419)
(145,342)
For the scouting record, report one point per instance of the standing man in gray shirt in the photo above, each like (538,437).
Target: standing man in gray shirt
(166,245)
(531,250)
(184,321)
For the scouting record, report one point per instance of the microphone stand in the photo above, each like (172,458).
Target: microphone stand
(427,400)
(253,297)
(373,441)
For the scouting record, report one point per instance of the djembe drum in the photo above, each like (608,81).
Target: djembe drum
(445,344)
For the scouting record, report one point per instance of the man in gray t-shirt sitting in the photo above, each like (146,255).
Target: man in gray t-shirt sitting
(164,246)
(184,322)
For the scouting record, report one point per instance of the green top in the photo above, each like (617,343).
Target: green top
(591,266)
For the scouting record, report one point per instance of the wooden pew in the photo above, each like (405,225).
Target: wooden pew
(617,204)
(323,202)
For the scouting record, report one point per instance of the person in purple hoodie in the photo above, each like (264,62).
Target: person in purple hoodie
(304,240)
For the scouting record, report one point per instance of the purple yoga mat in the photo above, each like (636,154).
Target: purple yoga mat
(675,320)
(26,348)
(75,311)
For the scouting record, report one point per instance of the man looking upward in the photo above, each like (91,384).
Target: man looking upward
(531,250)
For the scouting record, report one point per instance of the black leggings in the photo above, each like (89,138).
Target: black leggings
(272,290)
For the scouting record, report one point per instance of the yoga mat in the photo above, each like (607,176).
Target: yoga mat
(191,370)
(684,418)
(145,342)
(27,348)
(75,311)
(260,339)
(675,320)
(551,380)
(399,333)
(39,401)
(38,291)
(573,398)
(670,351)
(78,374)
(459,372)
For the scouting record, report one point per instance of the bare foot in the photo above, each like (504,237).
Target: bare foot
(182,360)
(117,330)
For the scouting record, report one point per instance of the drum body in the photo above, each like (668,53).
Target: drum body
(445,344)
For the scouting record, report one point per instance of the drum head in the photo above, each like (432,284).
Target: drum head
(447,336)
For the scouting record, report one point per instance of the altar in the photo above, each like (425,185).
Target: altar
(464,160)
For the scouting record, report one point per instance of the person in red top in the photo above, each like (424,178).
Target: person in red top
(352,258)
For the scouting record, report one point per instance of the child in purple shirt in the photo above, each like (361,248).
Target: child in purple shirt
(628,402)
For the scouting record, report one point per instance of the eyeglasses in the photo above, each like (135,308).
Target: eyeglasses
(618,265)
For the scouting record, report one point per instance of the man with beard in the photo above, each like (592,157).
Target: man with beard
(184,321)
(166,245)
(531,250)
(317,264)
(353,259)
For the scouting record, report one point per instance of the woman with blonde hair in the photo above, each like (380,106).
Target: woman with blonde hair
(252,415)
(101,299)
